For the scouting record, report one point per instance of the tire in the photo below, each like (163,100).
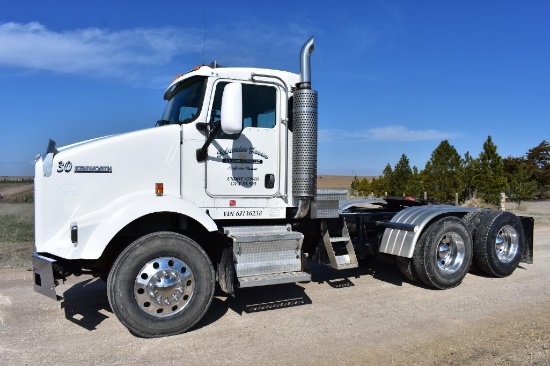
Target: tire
(406,268)
(471,221)
(498,244)
(443,254)
(162,284)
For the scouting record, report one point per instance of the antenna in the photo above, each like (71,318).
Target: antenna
(204,37)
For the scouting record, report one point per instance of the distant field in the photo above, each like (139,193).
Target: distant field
(336,181)
(9,188)
(17,191)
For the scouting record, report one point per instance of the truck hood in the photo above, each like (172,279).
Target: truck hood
(89,179)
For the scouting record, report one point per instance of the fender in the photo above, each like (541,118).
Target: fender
(404,229)
(117,217)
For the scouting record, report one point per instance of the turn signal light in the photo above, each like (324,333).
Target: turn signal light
(159,189)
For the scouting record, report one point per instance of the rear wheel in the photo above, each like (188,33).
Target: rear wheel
(443,254)
(498,244)
(471,221)
(162,284)
(406,267)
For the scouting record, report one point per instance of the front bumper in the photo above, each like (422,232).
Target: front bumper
(44,280)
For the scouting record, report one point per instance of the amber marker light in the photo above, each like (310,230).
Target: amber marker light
(159,189)
(176,78)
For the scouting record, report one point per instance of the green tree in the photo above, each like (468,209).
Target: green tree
(364,187)
(467,175)
(489,179)
(538,159)
(355,183)
(401,175)
(442,173)
(378,186)
(522,186)
(414,185)
(386,181)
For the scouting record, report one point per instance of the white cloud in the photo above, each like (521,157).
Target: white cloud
(127,53)
(387,133)
(402,133)
(91,50)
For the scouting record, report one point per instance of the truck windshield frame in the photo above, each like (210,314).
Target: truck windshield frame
(185,101)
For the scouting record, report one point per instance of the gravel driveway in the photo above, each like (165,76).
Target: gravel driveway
(369,315)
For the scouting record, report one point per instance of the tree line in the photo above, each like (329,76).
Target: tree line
(447,174)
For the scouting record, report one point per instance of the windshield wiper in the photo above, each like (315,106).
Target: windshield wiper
(162,122)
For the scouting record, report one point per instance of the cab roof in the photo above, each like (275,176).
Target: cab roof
(235,73)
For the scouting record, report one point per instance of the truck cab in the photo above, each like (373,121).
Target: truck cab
(242,174)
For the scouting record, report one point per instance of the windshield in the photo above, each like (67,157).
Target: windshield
(185,101)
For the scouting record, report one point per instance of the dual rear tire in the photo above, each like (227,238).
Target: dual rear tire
(498,243)
(493,240)
(443,254)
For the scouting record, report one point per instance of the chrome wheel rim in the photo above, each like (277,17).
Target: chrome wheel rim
(506,244)
(450,252)
(164,286)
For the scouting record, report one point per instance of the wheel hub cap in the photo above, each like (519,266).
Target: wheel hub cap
(450,252)
(164,286)
(506,244)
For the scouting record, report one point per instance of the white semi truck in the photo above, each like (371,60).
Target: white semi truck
(222,192)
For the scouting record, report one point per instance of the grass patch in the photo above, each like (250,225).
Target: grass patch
(16,234)
(13,229)
(16,255)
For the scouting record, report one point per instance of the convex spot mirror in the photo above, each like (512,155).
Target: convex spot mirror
(232,109)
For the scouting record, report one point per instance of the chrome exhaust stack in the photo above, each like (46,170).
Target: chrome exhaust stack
(304,142)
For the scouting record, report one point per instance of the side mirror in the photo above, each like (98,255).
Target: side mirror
(232,109)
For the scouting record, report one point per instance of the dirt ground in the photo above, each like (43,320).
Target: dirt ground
(369,315)
(20,188)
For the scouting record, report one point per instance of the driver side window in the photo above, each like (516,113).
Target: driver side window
(259,105)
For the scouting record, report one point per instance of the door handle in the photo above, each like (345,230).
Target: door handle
(269,181)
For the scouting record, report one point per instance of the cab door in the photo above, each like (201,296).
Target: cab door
(246,164)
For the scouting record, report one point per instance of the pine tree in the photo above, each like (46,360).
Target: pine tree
(414,185)
(467,175)
(489,179)
(442,173)
(385,181)
(522,186)
(378,186)
(355,183)
(402,173)
(538,159)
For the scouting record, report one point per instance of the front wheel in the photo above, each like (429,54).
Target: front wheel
(160,285)
(443,254)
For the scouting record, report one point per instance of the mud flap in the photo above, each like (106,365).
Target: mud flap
(528,227)
(44,281)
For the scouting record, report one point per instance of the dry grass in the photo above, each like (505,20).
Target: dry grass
(16,234)
(478,203)
(336,181)
(16,192)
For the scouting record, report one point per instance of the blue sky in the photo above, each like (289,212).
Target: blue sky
(393,77)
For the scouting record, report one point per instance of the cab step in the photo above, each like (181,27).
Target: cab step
(344,257)
(274,279)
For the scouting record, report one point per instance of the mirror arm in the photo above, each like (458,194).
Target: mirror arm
(202,153)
